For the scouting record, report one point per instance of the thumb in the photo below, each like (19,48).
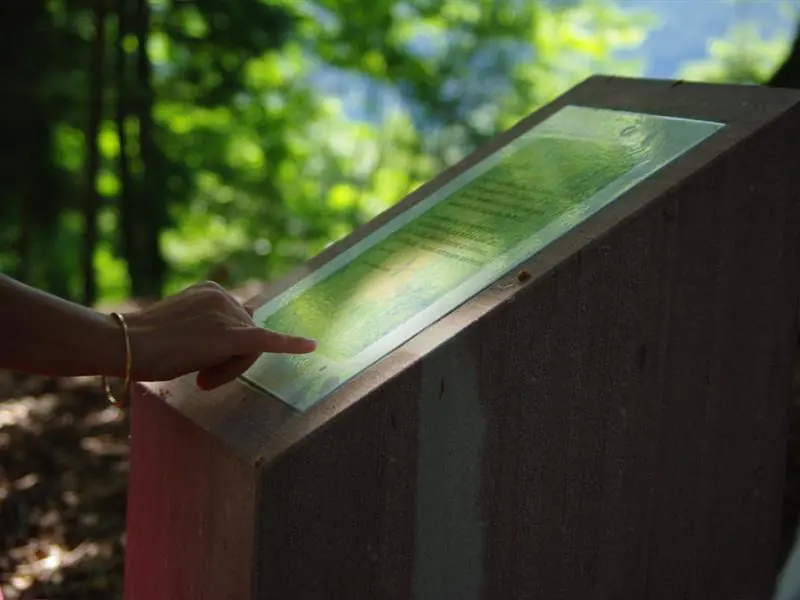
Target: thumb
(255,340)
(217,375)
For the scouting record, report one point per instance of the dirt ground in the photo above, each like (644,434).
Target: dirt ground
(63,475)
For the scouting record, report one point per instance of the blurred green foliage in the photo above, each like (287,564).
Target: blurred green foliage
(745,54)
(151,144)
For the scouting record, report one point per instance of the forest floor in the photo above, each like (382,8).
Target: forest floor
(63,477)
(63,481)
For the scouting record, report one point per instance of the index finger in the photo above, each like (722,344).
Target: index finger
(253,340)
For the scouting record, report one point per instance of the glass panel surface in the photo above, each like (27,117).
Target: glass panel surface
(444,250)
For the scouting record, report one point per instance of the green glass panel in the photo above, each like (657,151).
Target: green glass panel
(441,252)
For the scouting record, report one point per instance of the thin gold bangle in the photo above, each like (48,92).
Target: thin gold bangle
(128,365)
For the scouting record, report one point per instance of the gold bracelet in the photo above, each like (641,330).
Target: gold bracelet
(128,365)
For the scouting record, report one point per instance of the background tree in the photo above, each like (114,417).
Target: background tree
(157,142)
(163,138)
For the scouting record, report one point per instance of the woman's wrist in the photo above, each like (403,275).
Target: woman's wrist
(108,346)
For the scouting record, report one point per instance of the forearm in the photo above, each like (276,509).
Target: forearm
(40,333)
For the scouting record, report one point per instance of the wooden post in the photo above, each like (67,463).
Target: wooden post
(607,420)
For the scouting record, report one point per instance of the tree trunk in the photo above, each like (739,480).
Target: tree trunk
(147,279)
(127,216)
(92,199)
(23,243)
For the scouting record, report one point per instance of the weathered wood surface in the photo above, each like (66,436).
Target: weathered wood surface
(612,425)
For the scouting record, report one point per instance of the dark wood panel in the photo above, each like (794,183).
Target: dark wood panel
(336,516)
(611,425)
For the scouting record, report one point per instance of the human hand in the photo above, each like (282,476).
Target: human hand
(203,329)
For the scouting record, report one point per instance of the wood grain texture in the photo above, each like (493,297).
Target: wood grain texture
(631,402)
(336,516)
(190,511)
(637,432)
